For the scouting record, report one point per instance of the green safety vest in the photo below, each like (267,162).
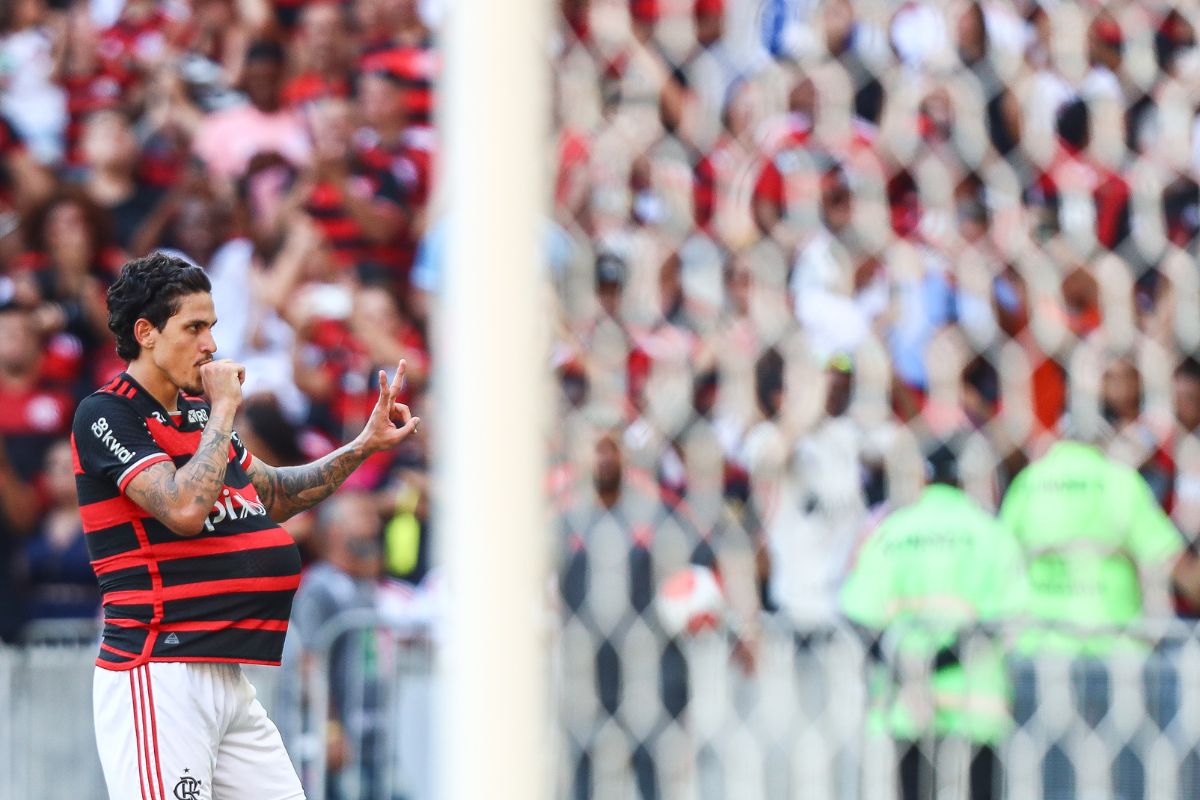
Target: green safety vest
(931,570)
(1087,524)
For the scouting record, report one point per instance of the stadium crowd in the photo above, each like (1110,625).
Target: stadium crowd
(802,245)
(793,247)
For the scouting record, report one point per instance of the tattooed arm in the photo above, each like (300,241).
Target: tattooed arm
(287,491)
(182,499)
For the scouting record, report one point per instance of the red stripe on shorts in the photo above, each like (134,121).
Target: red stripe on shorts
(145,730)
(137,736)
(154,732)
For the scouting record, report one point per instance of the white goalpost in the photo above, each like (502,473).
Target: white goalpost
(492,718)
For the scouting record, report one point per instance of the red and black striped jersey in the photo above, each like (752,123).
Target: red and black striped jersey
(415,67)
(222,595)
(326,204)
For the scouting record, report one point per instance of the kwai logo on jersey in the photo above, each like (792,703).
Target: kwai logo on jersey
(101,431)
(232,504)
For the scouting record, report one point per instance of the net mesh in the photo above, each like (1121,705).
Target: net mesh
(796,247)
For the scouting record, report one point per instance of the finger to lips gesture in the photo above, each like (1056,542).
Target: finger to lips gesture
(391,422)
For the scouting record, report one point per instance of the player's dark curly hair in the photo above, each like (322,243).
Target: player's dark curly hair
(150,288)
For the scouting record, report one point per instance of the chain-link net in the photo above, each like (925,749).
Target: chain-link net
(798,247)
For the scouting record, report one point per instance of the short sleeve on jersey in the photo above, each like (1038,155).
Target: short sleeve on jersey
(111,439)
(241,453)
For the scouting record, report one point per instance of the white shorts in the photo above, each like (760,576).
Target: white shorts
(188,731)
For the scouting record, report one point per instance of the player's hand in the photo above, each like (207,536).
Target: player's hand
(390,422)
(222,381)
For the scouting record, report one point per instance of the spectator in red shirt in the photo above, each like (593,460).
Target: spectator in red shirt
(138,44)
(397,41)
(323,49)
(1075,171)
(89,86)
(37,411)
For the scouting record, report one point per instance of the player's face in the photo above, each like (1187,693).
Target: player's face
(186,342)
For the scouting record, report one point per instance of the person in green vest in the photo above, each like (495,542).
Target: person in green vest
(1099,547)
(925,581)
(1101,554)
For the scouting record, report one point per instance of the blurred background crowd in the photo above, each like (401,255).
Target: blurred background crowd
(792,247)
(289,149)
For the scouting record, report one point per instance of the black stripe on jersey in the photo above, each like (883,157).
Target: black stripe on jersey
(222,645)
(91,490)
(113,658)
(142,612)
(132,579)
(230,606)
(264,562)
(158,533)
(131,640)
(111,541)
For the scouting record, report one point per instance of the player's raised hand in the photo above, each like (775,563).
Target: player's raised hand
(222,381)
(390,422)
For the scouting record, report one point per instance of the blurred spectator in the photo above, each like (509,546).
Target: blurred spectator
(1100,553)
(110,154)
(227,140)
(1100,549)
(928,573)
(832,310)
(322,46)
(722,176)
(345,579)
(396,40)
(360,210)
(255,282)
(389,143)
(24,182)
(1135,441)
(58,566)
(342,349)
(1186,394)
(817,504)
(1073,178)
(68,266)
(267,431)
(34,417)
(29,97)
(38,410)
(408,542)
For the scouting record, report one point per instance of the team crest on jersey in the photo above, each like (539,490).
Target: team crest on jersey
(232,504)
(197,415)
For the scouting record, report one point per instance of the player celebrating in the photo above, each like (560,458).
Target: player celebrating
(182,529)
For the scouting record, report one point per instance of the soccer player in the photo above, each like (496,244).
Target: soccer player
(183,531)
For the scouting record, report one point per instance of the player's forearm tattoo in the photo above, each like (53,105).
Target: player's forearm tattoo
(287,491)
(204,474)
(157,492)
(166,492)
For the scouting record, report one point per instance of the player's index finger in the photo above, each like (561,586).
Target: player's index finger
(398,381)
